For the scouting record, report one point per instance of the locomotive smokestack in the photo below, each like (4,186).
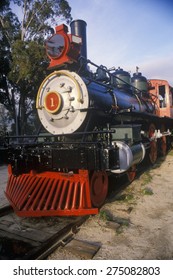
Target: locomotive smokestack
(78,28)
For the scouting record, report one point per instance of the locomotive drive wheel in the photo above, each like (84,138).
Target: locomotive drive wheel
(131,173)
(153,144)
(98,187)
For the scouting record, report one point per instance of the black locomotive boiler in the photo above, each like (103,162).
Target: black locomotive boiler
(96,123)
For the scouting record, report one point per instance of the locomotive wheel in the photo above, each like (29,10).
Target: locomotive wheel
(153,144)
(163,144)
(131,173)
(98,187)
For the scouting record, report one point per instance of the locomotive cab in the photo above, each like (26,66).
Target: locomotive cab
(162,94)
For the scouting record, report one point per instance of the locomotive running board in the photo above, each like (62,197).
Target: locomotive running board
(50,194)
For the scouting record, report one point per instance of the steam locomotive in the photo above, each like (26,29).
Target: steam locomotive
(97,122)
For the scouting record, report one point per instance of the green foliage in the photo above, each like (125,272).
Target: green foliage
(147,191)
(40,15)
(147,177)
(9,30)
(104,215)
(125,197)
(28,59)
(22,54)
(171,153)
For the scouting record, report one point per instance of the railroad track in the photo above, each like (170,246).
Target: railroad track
(34,238)
(5,210)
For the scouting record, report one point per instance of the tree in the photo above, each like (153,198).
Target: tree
(22,54)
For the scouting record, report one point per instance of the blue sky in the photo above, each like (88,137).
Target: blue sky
(129,33)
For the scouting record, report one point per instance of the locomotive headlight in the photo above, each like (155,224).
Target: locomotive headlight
(62,47)
(52,102)
(55,46)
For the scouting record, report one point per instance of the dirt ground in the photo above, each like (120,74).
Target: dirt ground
(136,223)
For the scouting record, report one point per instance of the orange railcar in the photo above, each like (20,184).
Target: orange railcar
(162,94)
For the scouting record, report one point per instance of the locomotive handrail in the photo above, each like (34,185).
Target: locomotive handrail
(57,135)
(112,75)
(55,144)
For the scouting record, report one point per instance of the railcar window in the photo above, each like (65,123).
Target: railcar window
(162,96)
(171,96)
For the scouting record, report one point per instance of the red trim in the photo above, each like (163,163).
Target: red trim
(50,194)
